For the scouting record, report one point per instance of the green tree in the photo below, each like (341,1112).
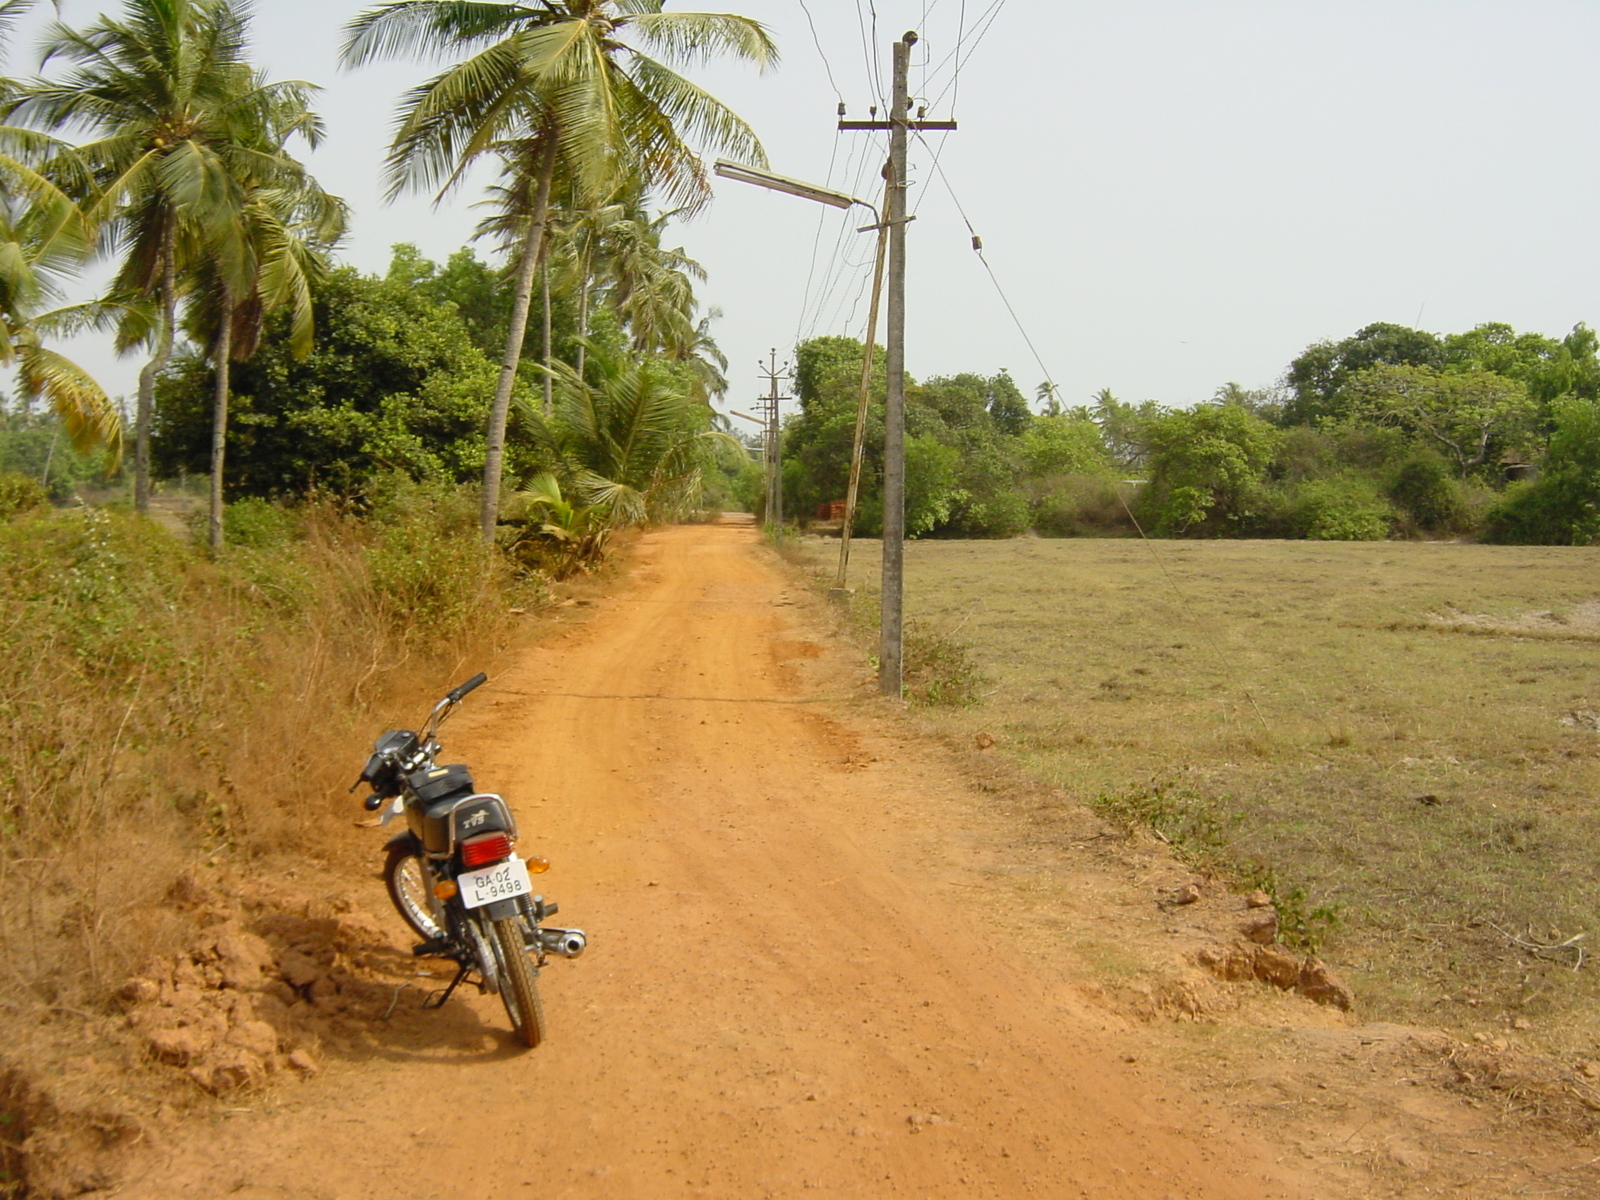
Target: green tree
(1562,506)
(283,228)
(172,110)
(1064,445)
(1207,469)
(42,237)
(476,289)
(1471,417)
(393,383)
(1125,427)
(558,87)
(1547,367)
(829,369)
(1318,375)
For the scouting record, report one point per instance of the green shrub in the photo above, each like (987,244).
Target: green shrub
(1340,510)
(1083,506)
(20,493)
(428,566)
(999,515)
(1562,508)
(938,669)
(1554,511)
(1208,471)
(1064,446)
(256,523)
(1427,493)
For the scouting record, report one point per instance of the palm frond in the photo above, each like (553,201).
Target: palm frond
(87,415)
(693,39)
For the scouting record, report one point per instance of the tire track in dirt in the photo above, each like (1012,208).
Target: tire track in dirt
(782,993)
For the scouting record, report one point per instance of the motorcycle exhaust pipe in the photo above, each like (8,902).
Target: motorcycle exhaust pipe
(569,943)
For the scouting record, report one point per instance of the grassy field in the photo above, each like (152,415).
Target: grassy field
(1410,732)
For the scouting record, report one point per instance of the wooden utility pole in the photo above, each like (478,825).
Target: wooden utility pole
(890,673)
(774,447)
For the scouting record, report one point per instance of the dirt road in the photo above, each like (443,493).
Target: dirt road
(795,981)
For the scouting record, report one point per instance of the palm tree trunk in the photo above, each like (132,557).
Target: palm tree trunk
(147,376)
(521,301)
(222,355)
(583,325)
(549,381)
(583,308)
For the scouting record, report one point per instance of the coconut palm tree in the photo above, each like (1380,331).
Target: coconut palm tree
(173,113)
(613,254)
(629,438)
(42,236)
(584,87)
(281,231)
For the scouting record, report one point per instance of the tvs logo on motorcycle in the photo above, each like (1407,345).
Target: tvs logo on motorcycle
(476,819)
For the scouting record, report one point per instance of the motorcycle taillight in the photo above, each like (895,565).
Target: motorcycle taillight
(485,848)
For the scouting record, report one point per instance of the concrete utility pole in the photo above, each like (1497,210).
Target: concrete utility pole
(890,672)
(774,448)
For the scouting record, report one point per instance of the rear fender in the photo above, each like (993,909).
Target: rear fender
(406,839)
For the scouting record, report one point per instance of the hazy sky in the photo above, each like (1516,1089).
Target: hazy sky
(1172,193)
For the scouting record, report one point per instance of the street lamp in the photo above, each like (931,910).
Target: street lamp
(792,187)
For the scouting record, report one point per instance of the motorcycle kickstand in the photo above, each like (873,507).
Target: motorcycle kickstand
(462,970)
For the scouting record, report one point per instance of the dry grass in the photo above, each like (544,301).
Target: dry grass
(163,710)
(1408,731)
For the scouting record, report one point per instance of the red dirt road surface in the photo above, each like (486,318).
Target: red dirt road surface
(796,982)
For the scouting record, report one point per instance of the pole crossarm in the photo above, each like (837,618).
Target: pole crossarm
(891,125)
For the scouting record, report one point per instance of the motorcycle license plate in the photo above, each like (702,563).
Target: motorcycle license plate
(499,882)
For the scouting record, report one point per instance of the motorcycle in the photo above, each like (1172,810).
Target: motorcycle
(454,873)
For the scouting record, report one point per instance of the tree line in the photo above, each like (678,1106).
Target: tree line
(154,143)
(1390,432)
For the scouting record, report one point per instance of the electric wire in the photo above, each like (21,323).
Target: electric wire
(839,263)
(822,54)
(977,246)
(980,29)
(961,29)
(814,299)
(818,300)
(877,66)
(816,244)
(1184,603)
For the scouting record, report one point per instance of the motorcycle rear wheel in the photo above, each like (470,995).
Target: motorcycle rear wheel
(519,990)
(407,881)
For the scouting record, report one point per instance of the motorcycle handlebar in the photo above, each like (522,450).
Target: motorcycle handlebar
(459,692)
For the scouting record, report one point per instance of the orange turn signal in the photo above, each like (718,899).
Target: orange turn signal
(538,866)
(445,888)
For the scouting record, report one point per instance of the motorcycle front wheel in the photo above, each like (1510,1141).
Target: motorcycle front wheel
(407,881)
(519,990)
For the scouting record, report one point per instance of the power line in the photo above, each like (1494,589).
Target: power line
(868,55)
(816,244)
(1172,582)
(822,54)
(961,32)
(839,261)
(977,246)
(980,30)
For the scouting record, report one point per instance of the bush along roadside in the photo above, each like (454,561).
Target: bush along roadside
(937,668)
(199,708)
